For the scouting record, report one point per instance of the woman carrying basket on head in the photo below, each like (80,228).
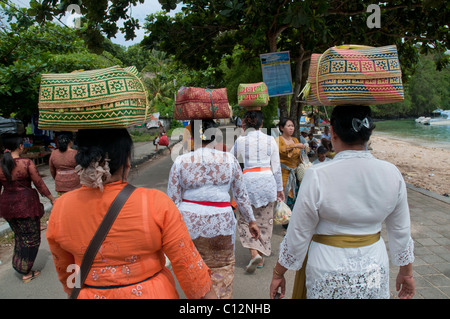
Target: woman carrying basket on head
(263,182)
(130,263)
(334,235)
(200,184)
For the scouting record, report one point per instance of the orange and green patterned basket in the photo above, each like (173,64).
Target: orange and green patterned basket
(354,74)
(113,97)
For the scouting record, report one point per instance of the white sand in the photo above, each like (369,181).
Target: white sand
(421,166)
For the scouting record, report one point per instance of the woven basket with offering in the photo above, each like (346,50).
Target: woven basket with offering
(253,95)
(354,74)
(113,97)
(199,103)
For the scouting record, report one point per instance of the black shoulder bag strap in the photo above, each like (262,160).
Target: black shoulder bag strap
(100,235)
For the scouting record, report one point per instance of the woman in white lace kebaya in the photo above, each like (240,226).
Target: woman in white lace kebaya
(199,184)
(334,231)
(264,184)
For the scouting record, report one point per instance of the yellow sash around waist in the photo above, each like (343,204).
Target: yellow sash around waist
(342,241)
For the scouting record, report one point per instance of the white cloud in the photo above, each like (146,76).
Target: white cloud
(140,11)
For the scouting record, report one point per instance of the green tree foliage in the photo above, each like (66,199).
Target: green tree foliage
(208,30)
(236,69)
(29,49)
(100,18)
(425,91)
(159,72)
(160,82)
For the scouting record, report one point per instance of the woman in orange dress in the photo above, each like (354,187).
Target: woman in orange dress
(131,262)
(290,152)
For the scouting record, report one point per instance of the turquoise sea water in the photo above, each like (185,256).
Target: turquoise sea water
(428,135)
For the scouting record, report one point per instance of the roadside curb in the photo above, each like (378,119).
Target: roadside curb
(429,193)
(145,158)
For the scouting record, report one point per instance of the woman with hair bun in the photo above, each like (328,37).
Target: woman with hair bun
(130,263)
(62,164)
(20,205)
(199,184)
(333,237)
(263,181)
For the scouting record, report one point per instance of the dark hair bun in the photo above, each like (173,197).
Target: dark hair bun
(253,119)
(88,154)
(64,139)
(98,145)
(208,126)
(352,123)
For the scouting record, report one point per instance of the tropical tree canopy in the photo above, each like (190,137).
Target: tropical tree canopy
(29,49)
(209,30)
(219,42)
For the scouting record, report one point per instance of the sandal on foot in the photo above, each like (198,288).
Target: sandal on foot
(34,274)
(260,264)
(251,267)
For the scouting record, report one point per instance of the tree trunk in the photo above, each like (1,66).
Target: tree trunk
(282,100)
(301,69)
(282,106)
(300,77)
(296,106)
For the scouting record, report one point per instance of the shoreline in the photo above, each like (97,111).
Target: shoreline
(414,141)
(423,166)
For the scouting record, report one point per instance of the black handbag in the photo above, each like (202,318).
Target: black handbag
(100,236)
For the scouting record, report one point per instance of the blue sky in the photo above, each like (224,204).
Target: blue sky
(140,11)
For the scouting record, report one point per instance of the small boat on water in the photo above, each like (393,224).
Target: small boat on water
(444,119)
(422,119)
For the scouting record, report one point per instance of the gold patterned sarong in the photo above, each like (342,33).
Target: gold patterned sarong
(342,241)
(218,254)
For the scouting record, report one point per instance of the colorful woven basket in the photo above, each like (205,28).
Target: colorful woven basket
(113,97)
(199,103)
(253,95)
(353,74)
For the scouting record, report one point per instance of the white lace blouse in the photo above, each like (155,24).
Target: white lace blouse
(208,175)
(257,149)
(353,194)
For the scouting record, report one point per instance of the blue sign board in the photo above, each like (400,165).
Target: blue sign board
(276,71)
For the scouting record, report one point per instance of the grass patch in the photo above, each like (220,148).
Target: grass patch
(138,136)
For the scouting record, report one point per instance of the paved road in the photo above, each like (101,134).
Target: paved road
(430,217)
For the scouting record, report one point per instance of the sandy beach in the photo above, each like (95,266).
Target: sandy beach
(421,166)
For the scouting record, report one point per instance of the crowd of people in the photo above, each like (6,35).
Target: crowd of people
(333,239)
